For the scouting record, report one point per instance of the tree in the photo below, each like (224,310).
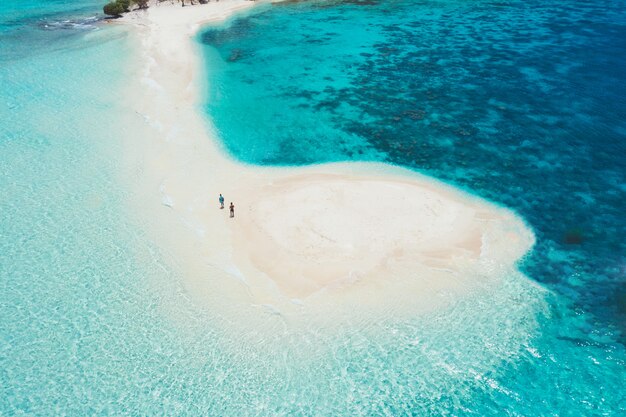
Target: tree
(125,4)
(117,7)
(114,9)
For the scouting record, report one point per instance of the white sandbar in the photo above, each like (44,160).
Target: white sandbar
(359,235)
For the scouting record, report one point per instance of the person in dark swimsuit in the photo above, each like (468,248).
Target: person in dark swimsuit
(232,209)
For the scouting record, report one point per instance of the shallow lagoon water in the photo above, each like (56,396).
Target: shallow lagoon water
(95,321)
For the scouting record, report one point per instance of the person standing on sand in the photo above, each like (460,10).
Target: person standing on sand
(232,209)
(221,201)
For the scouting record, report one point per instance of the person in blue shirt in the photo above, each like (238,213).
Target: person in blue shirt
(221,201)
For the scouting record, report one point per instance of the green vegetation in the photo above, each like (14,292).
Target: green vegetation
(113,9)
(117,7)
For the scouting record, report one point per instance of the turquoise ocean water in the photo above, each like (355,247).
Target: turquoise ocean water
(522,103)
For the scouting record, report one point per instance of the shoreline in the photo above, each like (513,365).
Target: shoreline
(352,238)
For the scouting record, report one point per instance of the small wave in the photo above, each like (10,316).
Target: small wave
(87,23)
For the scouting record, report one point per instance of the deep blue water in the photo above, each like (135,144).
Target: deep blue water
(522,102)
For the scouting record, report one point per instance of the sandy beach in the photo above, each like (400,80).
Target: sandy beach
(349,237)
